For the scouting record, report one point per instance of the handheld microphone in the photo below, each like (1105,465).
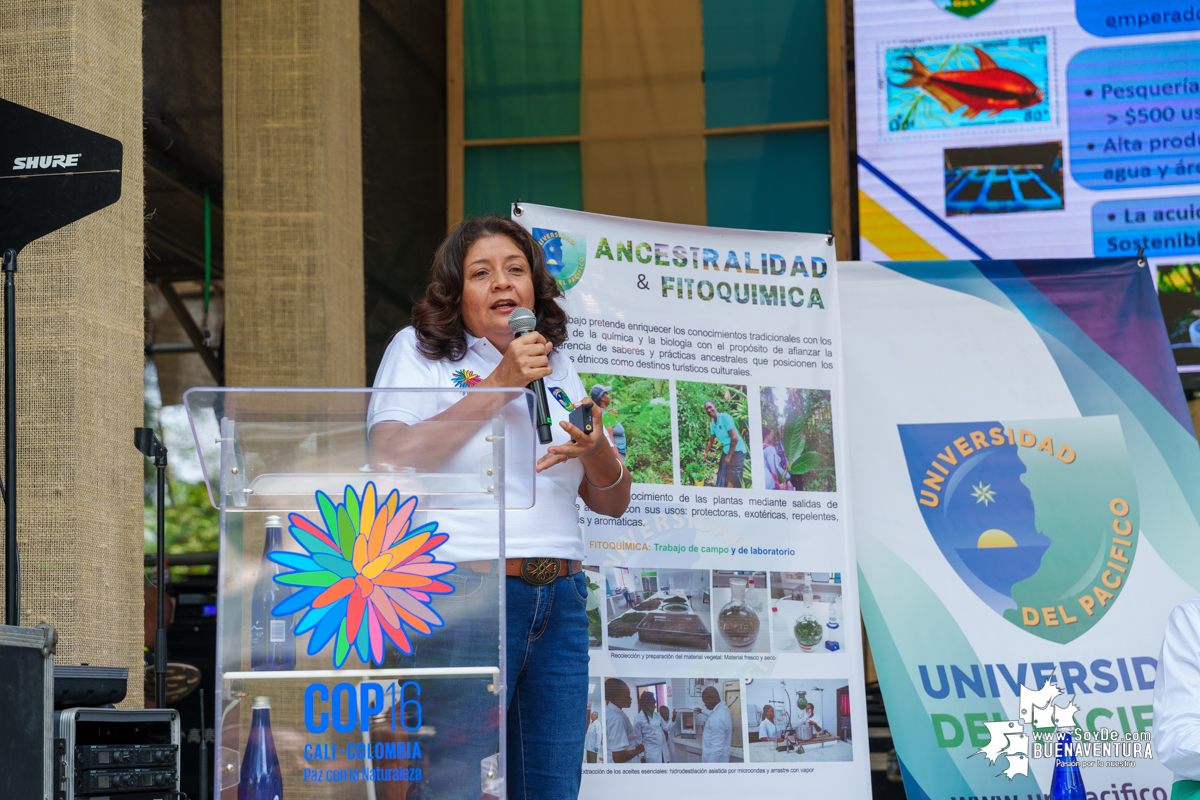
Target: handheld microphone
(520,322)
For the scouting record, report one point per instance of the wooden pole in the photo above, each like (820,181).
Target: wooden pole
(839,144)
(455,115)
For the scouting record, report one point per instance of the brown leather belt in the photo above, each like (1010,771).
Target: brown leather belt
(535,571)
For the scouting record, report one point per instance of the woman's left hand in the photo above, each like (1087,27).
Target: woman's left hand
(582,446)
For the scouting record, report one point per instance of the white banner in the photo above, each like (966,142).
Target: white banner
(719,641)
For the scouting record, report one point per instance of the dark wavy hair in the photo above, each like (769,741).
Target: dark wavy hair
(437,317)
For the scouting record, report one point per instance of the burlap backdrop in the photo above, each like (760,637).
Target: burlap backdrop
(79,328)
(293,193)
(293,255)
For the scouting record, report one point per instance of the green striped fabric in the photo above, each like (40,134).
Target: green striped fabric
(521,68)
(521,79)
(549,174)
(764,61)
(769,182)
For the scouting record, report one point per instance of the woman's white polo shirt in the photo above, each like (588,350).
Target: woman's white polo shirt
(551,527)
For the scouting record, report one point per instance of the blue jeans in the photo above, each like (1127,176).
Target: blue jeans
(547,678)
(547,688)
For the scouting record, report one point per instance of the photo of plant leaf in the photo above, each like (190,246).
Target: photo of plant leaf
(695,468)
(797,429)
(638,417)
(592,609)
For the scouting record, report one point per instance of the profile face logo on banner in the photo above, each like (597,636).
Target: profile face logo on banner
(566,255)
(1038,517)
(365,577)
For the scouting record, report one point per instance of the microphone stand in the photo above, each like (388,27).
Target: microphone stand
(12,559)
(203,752)
(149,445)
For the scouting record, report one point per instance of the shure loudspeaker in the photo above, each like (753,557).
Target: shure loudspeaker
(51,174)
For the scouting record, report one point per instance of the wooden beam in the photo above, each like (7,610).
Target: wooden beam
(192,330)
(736,130)
(840,196)
(772,127)
(155,173)
(573,138)
(455,114)
(157,238)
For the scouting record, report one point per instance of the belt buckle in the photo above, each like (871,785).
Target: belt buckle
(540,571)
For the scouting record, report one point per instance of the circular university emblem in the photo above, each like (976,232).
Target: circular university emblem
(566,255)
(1039,518)
(963,8)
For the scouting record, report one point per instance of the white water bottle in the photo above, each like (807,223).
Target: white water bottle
(753,598)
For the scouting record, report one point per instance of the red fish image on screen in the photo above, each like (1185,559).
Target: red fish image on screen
(988,88)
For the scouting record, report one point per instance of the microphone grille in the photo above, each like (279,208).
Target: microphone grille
(521,320)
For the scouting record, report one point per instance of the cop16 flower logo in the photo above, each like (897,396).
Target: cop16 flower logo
(366,576)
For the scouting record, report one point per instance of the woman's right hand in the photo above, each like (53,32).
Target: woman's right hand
(526,359)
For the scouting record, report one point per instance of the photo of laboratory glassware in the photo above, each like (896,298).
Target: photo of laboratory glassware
(737,621)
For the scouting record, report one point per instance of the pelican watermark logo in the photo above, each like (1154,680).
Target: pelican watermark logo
(1049,715)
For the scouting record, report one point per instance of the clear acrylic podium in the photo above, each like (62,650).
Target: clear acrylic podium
(361,587)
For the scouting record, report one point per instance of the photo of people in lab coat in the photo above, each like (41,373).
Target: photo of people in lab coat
(799,720)
(673,720)
(593,742)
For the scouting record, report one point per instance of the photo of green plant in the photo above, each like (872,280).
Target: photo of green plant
(700,452)
(592,609)
(1179,297)
(637,419)
(797,449)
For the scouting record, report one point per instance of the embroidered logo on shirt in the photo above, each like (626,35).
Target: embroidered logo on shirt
(465,379)
(562,399)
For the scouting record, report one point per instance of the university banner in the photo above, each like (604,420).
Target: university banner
(726,653)
(1024,472)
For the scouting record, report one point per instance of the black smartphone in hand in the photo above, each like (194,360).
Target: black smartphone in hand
(581,417)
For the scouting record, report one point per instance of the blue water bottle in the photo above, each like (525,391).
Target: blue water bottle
(260,778)
(1067,783)
(272,642)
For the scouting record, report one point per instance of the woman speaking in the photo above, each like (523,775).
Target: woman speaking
(460,337)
